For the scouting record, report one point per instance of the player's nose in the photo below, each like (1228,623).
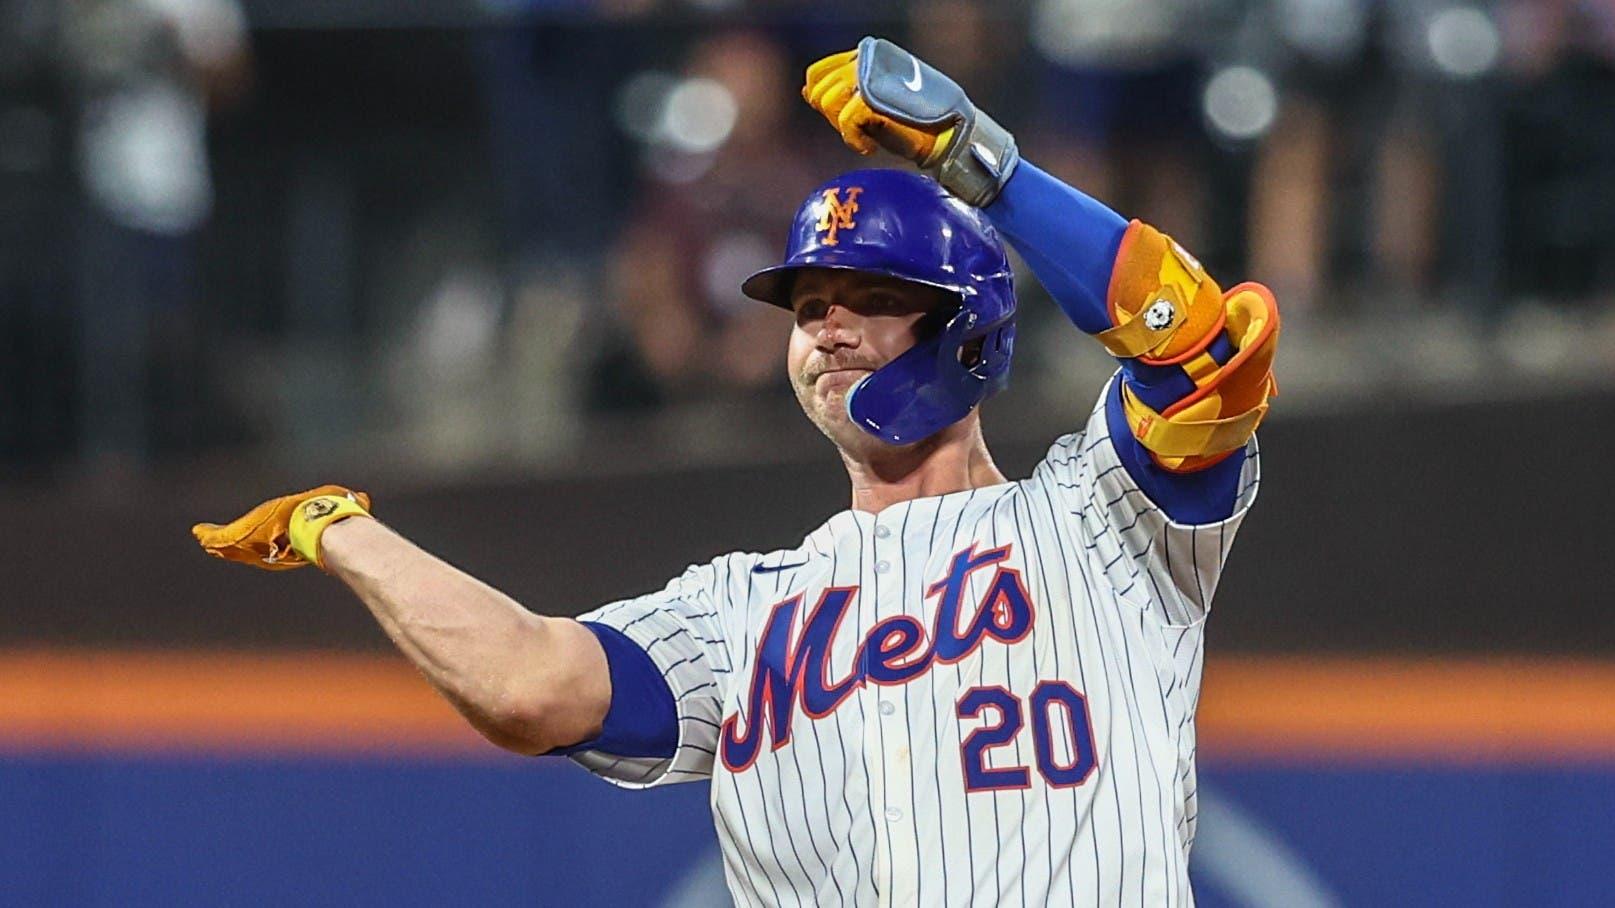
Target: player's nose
(841,327)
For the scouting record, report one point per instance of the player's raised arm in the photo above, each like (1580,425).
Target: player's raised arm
(527,682)
(1196,361)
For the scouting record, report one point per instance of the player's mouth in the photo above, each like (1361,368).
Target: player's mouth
(839,379)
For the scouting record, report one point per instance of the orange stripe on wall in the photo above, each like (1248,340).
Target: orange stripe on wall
(1467,710)
(231,702)
(1334,710)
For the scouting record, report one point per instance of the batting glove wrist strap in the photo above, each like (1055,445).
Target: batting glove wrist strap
(313,516)
(974,156)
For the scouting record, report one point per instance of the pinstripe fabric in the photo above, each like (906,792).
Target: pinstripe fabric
(868,804)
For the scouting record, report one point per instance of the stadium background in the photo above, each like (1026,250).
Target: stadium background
(480,259)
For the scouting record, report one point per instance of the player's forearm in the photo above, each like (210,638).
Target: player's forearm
(1068,238)
(1071,241)
(528,683)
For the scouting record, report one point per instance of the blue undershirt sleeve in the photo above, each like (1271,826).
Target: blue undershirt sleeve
(1070,241)
(642,720)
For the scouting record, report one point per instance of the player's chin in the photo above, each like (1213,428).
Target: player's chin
(827,411)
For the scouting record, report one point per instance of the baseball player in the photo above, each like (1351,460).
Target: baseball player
(964,689)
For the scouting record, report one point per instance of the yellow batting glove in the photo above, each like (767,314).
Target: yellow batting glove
(881,96)
(282,533)
(832,90)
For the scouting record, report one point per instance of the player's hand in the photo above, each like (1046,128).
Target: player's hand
(832,90)
(282,533)
(881,96)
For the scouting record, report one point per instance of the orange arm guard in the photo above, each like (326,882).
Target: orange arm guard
(1166,312)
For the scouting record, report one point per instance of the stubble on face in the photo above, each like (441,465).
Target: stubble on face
(822,386)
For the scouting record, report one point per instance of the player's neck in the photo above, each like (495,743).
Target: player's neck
(953,460)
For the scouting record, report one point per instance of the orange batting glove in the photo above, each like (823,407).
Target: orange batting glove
(282,533)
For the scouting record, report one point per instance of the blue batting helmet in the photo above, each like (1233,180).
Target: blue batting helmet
(906,226)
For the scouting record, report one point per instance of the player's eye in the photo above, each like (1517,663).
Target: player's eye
(885,304)
(810,309)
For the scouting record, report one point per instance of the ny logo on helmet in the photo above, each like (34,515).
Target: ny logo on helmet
(837,215)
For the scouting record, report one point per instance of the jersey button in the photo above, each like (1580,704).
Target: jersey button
(882,532)
(886,708)
(893,814)
(883,567)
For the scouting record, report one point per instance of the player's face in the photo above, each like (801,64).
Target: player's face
(849,324)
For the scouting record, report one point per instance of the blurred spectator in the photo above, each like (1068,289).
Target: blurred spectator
(1560,56)
(546,90)
(1384,137)
(976,44)
(723,177)
(144,74)
(34,139)
(1120,116)
(1323,59)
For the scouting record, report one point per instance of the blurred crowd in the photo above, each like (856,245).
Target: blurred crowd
(496,227)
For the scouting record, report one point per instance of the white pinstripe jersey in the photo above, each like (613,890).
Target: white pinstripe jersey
(983,698)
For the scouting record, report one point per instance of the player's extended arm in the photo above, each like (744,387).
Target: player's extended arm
(1197,361)
(528,683)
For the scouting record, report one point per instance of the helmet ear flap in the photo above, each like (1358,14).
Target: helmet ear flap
(930,386)
(911,397)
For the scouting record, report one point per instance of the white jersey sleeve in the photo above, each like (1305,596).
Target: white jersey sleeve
(680,628)
(1146,556)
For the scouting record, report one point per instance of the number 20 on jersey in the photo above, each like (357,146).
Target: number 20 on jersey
(1054,709)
